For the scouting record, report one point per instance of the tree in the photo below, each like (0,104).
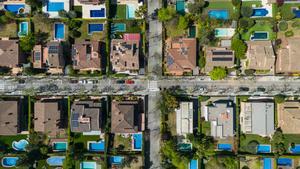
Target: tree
(27,43)
(72,14)
(63,14)
(165,14)
(279,98)
(34,3)
(141,12)
(196,8)
(218,73)
(283,25)
(236,2)
(44,150)
(203,146)
(41,37)
(252,146)
(246,11)
(74,24)
(246,23)
(75,33)
(277,142)
(239,48)
(169,152)
(202,61)
(168,103)
(183,23)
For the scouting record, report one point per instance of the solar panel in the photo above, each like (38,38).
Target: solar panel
(75,116)
(222,52)
(75,123)
(222,59)
(53,49)
(37,56)
(170,61)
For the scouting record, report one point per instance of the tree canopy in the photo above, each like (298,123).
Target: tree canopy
(246,11)
(218,73)
(27,43)
(239,48)
(165,14)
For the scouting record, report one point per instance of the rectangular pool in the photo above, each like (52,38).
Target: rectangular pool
(130,11)
(224,32)
(95,27)
(224,147)
(59,31)
(137,141)
(118,27)
(284,162)
(259,35)
(193,164)
(59,146)
(96,146)
(180,6)
(55,6)
(117,160)
(268,163)
(23,29)
(295,149)
(97,13)
(88,165)
(263,148)
(14,8)
(260,12)
(219,14)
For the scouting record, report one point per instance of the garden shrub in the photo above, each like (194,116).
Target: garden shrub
(289,33)
(246,11)
(296,24)
(283,26)
(249,72)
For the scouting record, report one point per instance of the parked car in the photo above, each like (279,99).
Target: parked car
(129,81)
(120,81)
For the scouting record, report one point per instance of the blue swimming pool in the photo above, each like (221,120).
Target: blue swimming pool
(180,6)
(284,162)
(95,27)
(259,36)
(295,149)
(137,141)
(97,13)
(297,13)
(20,145)
(96,146)
(224,147)
(117,160)
(118,27)
(268,163)
(23,29)
(130,10)
(55,160)
(219,14)
(59,146)
(55,6)
(193,164)
(14,8)
(260,12)
(88,165)
(59,31)
(264,148)
(9,161)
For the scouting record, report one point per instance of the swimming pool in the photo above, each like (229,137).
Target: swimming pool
(224,32)
(117,160)
(14,8)
(96,146)
(224,147)
(55,6)
(118,27)
(130,10)
(263,148)
(59,146)
(192,31)
(88,165)
(180,6)
(97,13)
(193,164)
(185,146)
(137,139)
(259,12)
(59,31)
(295,149)
(20,145)
(56,160)
(268,163)
(23,29)
(296,12)
(9,161)
(259,35)
(284,162)
(219,14)
(95,27)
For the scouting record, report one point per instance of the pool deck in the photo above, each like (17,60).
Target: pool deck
(55,14)
(87,8)
(265,5)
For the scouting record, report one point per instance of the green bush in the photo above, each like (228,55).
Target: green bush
(202,60)
(218,73)
(287,14)
(246,23)
(283,26)
(239,48)
(296,24)
(289,33)
(249,72)
(246,11)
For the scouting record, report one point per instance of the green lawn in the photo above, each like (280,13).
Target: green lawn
(80,141)
(95,35)
(118,11)
(252,3)
(205,127)
(260,26)
(246,138)
(221,5)
(9,30)
(291,138)
(6,141)
(123,141)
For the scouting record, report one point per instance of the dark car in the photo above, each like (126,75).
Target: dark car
(244,89)
(261,89)
(120,81)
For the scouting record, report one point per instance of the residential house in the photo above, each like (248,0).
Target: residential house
(289,117)
(86,55)
(49,117)
(288,56)
(53,55)
(218,57)
(37,57)
(10,55)
(184,118)
(260,56)
(87,117)
(10,117)
(181,54)
(257,117)
(127,117)
(124,55)
(221,115)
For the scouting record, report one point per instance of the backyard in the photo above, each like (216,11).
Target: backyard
(285,27)
(250,162)
(9,30)
(265,26)
(6,141)
(122,142)
(95,35)
(220,5)
(80,141)
(118,11)
(247,141)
